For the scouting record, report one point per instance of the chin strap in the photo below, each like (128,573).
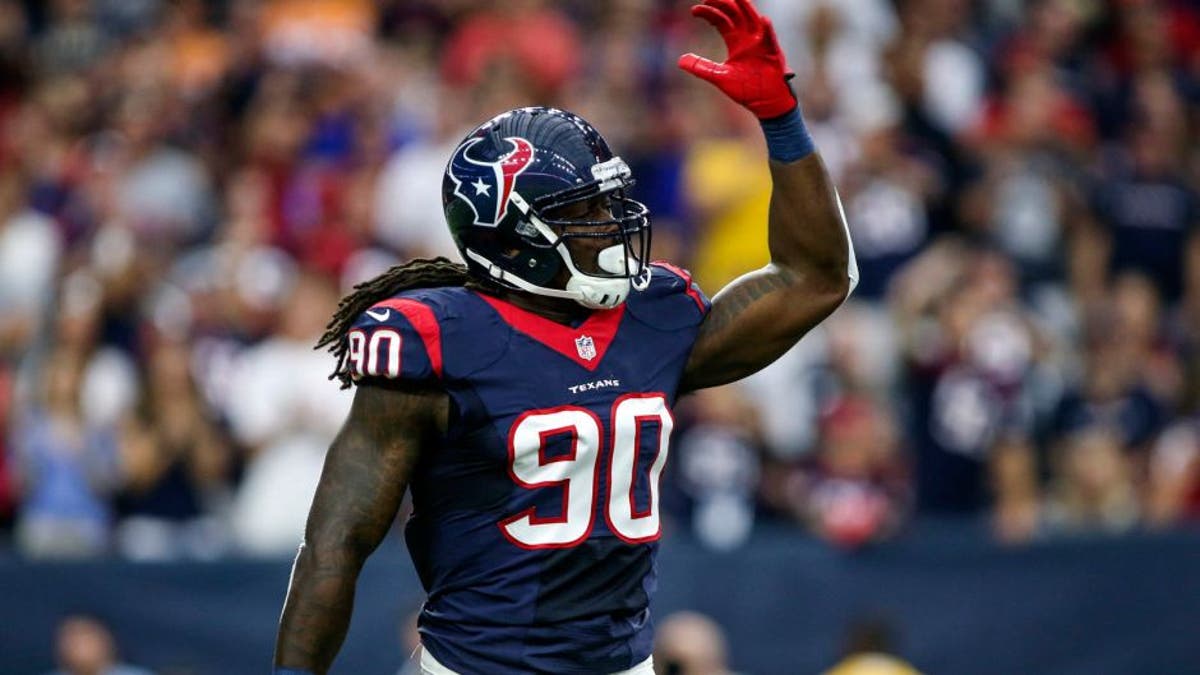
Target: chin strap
(588,290)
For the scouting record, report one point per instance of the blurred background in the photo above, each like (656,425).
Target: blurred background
(988,460)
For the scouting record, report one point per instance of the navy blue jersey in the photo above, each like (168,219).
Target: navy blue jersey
(536,519)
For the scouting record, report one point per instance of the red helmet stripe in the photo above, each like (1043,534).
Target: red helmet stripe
(511,166)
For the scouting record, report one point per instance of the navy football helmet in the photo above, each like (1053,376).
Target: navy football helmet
(523,185)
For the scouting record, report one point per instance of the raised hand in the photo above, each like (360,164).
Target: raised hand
(755,74)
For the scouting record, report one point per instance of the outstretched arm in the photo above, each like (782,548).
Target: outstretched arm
(759,316)
(361,486)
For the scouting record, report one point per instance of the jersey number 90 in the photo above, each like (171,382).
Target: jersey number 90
(579,472)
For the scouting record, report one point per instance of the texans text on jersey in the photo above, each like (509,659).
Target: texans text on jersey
(592,386)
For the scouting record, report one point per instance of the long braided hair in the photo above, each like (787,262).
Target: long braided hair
(418,273)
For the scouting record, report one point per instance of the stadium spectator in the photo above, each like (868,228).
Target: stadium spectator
(1174,477)
(887,194)
(855,489)
(175,463)
(1113,391)
(728,190)
(1017,511)
(1149,209)
(408,193)
(717,467)
(283,411)
(1029,197)
(1093,488)
(530,37)
(161,192)
(848,38)
(85,646)
(869,651)
(66,469)
(970,349)
(1141,328)
(690,643)
(30,249)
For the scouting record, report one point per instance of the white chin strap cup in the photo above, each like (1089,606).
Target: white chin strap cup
(599,292)
(596,293)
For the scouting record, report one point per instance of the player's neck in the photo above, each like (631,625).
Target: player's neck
(558,310)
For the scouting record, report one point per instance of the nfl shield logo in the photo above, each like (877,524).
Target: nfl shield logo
(586,347)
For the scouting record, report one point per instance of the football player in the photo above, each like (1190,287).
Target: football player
(525,397)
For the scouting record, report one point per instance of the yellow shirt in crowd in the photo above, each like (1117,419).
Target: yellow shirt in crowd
(872,664)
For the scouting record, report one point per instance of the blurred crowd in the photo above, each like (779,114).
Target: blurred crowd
(188,187)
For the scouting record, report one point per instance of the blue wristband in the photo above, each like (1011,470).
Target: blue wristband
(290,671)
(787,138)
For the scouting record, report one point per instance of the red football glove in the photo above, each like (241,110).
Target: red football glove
(755,74)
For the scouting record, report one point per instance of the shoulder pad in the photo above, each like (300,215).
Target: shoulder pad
(672,301)
(427,334)
(396,339)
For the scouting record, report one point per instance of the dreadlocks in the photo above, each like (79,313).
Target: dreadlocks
(419,273)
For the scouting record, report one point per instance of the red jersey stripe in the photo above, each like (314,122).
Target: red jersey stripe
(423,320)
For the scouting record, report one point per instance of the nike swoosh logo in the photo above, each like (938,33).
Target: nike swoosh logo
(380,316)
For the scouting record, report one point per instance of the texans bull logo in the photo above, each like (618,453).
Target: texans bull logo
(487,186)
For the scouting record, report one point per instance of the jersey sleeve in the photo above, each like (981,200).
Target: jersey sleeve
(396,339)
(672,301)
